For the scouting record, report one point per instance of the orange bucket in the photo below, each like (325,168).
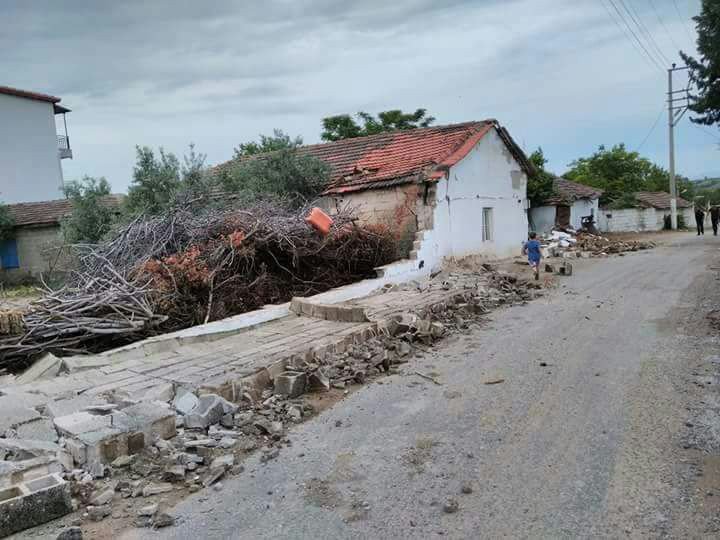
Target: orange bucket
(319,220)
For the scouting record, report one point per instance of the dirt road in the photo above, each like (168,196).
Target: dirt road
(605,425)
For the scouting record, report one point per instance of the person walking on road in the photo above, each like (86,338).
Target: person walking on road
(699,218)
(715,217)
(532,249)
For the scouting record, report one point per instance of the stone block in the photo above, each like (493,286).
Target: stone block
(41,430)
(64,407)
(209,411)
(185,402)
(15,472)
(155,419)
(46,367)
(33,503)
(102,446)
(27,449)
(73,364)
(291,384)
(13,412)
(72,425)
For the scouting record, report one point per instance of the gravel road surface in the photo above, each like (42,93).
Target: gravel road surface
(604,425)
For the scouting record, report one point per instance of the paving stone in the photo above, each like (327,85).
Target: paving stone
(29,448)
(64,407)
(77,423)
(46,367)
(14,413)
(155,419)
(42,429)
(73,364)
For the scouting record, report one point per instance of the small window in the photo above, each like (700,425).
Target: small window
(487,227)
(8,254)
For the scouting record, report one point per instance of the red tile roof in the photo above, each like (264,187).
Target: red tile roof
(28,94)
(567,191)
(400,157)
(659,200)
(51,212)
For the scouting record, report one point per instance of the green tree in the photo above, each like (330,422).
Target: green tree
(540,184)
(161,181)
(268,143)
(343,126)
(90,219)
(705,72)
(619,173)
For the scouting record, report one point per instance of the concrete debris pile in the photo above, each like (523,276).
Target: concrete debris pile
(109,455)
(586,245)
(169,272)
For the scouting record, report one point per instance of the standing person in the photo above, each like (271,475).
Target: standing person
(714,218)
(699,218)
(532,248)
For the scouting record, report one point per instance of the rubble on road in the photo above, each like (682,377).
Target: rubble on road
(572,244)
(111,450)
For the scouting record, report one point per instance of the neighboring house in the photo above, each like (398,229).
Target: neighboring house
(565,209)
(30,148)
(37,230)
(647,215)
(446,191)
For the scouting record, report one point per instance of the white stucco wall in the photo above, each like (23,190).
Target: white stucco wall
(29,164)
(488,177)
(582,208)
(640,219)
(542,218)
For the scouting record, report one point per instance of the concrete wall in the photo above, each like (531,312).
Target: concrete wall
(488,177)
(542,218)
(32,250)
(29,162)
(582,208)
(640,219)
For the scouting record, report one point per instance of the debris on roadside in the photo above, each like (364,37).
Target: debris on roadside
(572,244)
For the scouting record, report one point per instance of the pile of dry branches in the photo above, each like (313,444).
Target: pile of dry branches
(602,244)
(168,272)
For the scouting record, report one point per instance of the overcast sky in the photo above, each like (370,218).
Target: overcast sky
(561,74)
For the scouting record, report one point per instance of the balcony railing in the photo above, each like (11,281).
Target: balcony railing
(64,149)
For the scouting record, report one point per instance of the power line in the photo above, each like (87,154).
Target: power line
(629,28)
(652,129)
(662,22)
(682,20)
(624,32)
(706,131)
(643,29)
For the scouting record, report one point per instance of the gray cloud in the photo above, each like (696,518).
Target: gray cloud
(559,73)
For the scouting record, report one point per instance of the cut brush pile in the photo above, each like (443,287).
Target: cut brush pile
(169,272)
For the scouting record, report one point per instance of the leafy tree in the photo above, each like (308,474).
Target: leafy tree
(268,143)
(705,72)
(90,219)
(161,181)
(540,184)
(619,172)
(7,223)
(275,166)
(343,126)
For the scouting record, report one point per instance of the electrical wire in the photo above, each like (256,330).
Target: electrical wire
(652,129)
(706,131)
(646,56)
(644,30)
(662,22)
(682,20)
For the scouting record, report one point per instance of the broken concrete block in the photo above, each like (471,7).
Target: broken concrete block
(33,503)
(98,513)
(176,473)
(156,489)
(101,446)
(13,414)
(162,519)
(148,510)
(290,384)
(64,407)
(185,403)
(319,380)
(226,461)
(209,411)
(27,449)
(102,497)
(16,472)
(47,367)
(213,476)
(162,392)
(71,533)
(123,461)
(73,364)
(74,424)
(565,269)
(154,419)
(40,430)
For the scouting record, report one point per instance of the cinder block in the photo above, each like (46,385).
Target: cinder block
(33,503)
(291,384)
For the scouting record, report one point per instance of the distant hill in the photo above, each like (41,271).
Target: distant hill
(707,183)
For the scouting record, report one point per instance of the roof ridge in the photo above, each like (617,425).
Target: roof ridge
(28,94)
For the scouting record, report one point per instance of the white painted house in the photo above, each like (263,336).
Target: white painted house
(570,203)
(30,148)
(445,191)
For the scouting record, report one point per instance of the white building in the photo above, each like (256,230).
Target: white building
(30,147)
(570,203)
(649,214)
(445,191)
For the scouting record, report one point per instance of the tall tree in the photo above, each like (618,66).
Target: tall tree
(705,72)
(90,219)
(540,184)
(343,126)
(620,173)
(279,140)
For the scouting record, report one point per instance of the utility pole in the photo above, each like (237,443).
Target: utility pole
(674,116)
